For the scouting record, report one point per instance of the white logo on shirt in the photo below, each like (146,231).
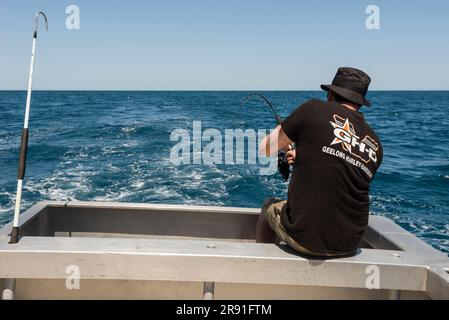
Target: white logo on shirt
(345,135)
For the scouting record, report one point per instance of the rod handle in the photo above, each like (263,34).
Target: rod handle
(23,154)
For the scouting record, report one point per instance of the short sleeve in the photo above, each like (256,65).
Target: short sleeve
(380,156)
(294,125)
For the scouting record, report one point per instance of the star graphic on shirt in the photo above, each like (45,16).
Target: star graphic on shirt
(347,128)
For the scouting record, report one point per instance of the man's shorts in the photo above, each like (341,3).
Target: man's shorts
(272,210)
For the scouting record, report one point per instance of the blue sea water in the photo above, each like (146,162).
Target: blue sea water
(115,146)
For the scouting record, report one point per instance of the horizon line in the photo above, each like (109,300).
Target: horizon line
(219,90)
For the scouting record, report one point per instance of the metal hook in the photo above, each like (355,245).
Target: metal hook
(37,21)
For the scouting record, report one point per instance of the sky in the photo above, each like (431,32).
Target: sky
(224,45)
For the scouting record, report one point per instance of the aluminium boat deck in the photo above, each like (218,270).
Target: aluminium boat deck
(144,251)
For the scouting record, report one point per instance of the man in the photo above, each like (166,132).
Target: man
(337,155)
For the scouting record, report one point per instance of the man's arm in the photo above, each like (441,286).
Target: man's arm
(274,142)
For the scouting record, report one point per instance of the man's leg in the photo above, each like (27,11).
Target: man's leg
(264,228)
(264,233)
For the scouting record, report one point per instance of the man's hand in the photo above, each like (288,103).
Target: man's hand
(291,157)
(275,141)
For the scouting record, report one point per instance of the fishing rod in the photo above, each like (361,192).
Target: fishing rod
(24,140)
(267,102)
(283,166)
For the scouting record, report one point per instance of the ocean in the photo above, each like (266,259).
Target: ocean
(115,146)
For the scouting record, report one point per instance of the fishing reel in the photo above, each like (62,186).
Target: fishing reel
(283,166)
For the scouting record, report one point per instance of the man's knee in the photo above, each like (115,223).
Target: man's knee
(268,203)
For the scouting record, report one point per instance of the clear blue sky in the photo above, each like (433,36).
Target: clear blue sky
(225,44)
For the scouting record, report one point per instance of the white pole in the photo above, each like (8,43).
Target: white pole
(8,290)
(10,284)
(24,142)
(25,126)
(30,83)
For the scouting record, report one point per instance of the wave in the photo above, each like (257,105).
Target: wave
(115,146)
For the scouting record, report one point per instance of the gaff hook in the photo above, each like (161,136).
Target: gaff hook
(24,141)
(36,23)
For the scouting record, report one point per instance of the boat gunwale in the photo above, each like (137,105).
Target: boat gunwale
(424,268)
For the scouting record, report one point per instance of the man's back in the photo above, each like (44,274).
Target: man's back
(338,154)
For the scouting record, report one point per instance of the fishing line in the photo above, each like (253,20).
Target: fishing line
(267,102)
(283,166)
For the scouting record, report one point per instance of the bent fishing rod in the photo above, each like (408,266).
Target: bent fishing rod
(283,166)
(24,140)
(267,102)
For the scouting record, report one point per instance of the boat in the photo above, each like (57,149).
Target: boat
(105,250)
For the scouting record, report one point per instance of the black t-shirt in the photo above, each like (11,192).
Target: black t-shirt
(337,156)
